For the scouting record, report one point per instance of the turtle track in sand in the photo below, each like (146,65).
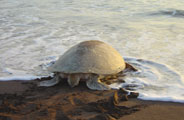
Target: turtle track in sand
(61,101)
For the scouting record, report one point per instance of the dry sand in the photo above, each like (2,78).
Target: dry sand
(23,100)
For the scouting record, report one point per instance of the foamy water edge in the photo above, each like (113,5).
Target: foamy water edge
(146,81)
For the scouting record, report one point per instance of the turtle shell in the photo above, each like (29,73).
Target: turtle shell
(89,57)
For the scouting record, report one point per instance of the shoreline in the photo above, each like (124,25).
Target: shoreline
(21,100)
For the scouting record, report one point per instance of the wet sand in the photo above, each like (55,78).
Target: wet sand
(23,100)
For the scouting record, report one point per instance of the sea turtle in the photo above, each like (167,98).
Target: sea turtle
(90,61)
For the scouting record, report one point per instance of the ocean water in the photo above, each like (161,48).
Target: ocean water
(150,32)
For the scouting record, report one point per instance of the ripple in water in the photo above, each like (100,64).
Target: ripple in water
(154,81)
(170,12)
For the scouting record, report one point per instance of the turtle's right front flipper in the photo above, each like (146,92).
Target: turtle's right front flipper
(94,83)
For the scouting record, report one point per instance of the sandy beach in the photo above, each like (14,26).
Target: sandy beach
(23,100)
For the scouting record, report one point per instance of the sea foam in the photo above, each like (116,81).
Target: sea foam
(153,81)
(28,77)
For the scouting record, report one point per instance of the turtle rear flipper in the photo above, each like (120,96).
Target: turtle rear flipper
(94,83)
(73,80)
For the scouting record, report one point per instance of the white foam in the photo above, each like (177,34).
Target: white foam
(28,77)
(161,98)
(154,81)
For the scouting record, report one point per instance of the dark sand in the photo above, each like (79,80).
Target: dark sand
(21,100)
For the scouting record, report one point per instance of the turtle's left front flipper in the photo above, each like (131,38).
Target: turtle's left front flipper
(51,82)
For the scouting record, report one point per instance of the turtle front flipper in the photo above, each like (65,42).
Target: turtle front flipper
(73,80)
(94,83)
(51,82)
